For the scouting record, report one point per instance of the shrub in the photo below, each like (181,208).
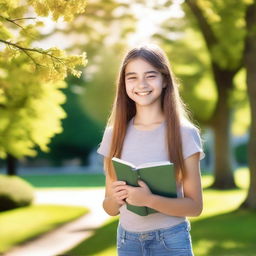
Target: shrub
(241,154)
(14,192)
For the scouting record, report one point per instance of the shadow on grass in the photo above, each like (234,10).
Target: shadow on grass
(229,234)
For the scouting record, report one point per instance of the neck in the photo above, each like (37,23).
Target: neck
(147,115)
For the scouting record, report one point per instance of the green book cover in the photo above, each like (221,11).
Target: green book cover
(159,176)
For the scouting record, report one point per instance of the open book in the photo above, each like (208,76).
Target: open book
(159,176)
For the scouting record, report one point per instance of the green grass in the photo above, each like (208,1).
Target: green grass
(221,230)
(65,180)
(25,223)
(229,234)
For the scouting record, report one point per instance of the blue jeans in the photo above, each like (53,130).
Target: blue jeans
(173,241)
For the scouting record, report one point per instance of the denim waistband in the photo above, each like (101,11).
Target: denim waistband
(157,234)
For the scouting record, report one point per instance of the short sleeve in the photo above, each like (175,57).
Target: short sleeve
(191,142)
(104,148)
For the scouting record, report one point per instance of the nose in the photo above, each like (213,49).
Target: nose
(142,83)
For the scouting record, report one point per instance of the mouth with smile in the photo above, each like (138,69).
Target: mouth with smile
(143,93)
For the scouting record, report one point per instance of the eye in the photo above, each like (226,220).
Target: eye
(131,78)
(151,76)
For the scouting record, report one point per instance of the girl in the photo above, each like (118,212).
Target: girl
(149,123)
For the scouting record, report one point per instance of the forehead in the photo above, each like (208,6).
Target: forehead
(139,66)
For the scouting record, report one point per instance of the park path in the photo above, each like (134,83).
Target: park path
(67,236)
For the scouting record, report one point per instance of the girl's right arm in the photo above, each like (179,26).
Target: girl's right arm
(115,196)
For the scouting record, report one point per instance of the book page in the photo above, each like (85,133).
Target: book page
(152,164)
(123,162)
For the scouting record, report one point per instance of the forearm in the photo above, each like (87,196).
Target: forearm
(175,206)
(110,206)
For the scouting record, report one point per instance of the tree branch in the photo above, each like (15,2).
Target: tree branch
(25,18)
(206,29)
(13,21)
(26,50)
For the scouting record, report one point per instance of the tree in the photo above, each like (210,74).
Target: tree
(31,78)
(250,64)
(221,26)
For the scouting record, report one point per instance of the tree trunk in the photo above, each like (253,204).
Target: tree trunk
(221,120)
(250,65)
(223,175)
(11,165)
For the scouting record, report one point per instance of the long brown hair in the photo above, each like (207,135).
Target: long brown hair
(172,105)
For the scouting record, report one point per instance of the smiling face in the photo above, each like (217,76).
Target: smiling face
(143,82)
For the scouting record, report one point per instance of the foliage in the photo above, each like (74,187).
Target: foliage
(103,32)
(30,77)
(224,31)
(23,224)
(80,133)
(228,25)
(241,153)
(190,63)
(100,89)
(104,23)
(14,192)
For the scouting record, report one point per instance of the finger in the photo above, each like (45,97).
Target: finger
(142,183)
(119,188)
(120,196)
(118,183)
(122,193)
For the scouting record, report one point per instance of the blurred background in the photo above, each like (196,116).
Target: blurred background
(58,67)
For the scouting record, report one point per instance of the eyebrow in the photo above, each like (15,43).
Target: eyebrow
(147,72)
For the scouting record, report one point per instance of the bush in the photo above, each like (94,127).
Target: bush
(241,154)
(14,192)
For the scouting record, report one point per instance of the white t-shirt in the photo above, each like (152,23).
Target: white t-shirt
(141,146)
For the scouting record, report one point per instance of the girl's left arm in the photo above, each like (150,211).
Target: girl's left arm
(189,205)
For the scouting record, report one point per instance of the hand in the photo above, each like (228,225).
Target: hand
(119,191)
(138,196)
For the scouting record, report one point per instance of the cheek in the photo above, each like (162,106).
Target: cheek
(160,85)
(129,87)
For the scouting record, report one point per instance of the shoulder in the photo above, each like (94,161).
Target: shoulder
(104,147)
(188,129)
(107,133)
(108,130)
(191,140)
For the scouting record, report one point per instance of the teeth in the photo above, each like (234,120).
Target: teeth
(143,93)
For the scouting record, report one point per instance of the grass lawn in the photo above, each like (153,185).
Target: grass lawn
(219,231)
(24,223)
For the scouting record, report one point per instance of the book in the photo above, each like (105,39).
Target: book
(159,176)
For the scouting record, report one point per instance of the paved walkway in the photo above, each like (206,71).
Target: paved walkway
(67,236)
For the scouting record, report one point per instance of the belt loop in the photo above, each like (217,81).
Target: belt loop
(158,235)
